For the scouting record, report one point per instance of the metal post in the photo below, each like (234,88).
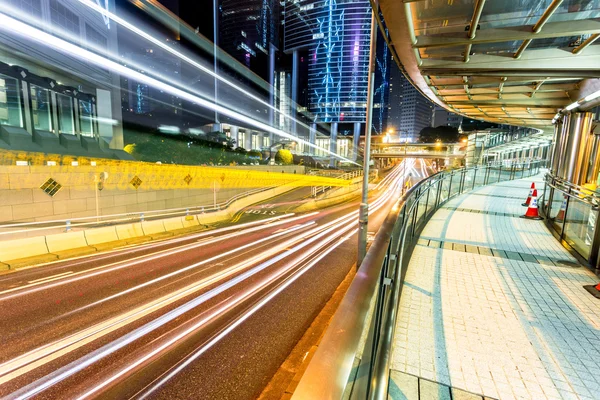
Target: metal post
(215,40)
(215,194)
(363,219)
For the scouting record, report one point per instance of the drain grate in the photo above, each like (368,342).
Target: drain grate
(488,251)
(470,210)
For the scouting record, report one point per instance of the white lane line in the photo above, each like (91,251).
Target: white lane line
(50,278)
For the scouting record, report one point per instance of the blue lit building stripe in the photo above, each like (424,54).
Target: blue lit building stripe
(336,35)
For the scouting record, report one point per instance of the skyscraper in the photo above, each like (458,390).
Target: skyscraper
(334,35)
(381,90)
(248,29)
(443,117)
(409,110)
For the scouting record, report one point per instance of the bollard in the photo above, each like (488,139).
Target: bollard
(187,212)
(68,226)
(142,217)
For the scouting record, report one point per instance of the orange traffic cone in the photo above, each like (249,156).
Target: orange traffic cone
(530,194)
(532,211)
(563,207)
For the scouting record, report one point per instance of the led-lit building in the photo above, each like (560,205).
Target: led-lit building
(50,100)
(334,36)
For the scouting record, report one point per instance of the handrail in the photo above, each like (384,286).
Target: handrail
(379,279)
(572,190)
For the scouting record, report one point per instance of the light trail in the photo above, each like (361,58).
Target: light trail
(30,360)
(16,27)
(110,253)
(187,59)
(309,242)
(103,269)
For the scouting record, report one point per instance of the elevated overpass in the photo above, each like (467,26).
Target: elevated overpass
(418,150)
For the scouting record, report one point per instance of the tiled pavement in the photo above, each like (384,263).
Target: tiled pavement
(502,327)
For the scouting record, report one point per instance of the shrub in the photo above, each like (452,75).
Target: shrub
(284,156)
(255,153)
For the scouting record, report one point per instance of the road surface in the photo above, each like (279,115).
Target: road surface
(204,316)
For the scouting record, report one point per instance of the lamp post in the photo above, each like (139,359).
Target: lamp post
(363,214)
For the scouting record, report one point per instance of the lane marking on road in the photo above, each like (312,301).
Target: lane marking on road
(50,278)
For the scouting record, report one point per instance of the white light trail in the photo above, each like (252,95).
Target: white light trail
(124,23)
(15,27)
(318,238)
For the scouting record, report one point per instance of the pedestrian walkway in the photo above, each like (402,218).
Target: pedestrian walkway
(493,305)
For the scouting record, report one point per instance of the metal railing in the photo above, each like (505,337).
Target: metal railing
(346,176)
(571,211)
(352,360)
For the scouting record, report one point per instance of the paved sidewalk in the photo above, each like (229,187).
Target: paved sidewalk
(493,305)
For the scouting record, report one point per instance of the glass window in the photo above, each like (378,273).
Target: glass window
(323,144)
(255,142)
(40,108)
(63,17)
(95,38)
(267,141)
(241,139)
(65,114)
(343,147)
(10,102)
(33,7)
(86,118)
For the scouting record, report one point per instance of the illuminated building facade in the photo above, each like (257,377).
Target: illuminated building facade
(335,36)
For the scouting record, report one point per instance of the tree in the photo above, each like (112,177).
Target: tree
(284,156)
(445,134)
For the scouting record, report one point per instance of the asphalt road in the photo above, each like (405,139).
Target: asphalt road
(210,315)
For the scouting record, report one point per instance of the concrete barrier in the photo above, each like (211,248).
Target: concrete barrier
(189,221)
(62,242)
(22,248)
(153,227)
(65,241)
(101,235)
(172,224)
(129,231)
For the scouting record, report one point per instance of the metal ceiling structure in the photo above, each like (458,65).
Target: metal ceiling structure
(513,62)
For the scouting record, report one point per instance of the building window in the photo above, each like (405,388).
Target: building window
(40,108)
(63,17)
(10,102)
(65,114)
(323,145)
(86,117)
(31,7)
(343,147)
(267,141)
(241,139)
(95,38)
(256,142)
